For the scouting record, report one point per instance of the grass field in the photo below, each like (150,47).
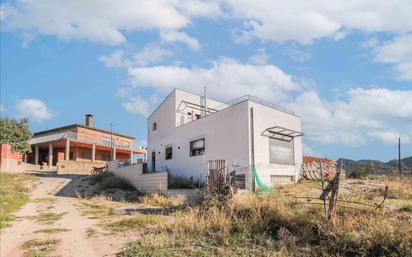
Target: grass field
(290,222)
(13,195)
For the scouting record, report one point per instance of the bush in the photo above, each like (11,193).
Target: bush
(107,180)
(179,182)
(358,175)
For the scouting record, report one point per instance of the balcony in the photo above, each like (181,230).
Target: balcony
(98,140)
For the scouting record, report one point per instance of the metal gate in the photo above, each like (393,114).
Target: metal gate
(216,174)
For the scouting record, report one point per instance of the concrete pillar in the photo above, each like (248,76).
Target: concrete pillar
(50,155)
(114,153)
(93,153)
(36,154)
(131,153)
(67,150)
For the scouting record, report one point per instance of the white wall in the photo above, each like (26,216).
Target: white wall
(227,136)
(146,183)
(266,117)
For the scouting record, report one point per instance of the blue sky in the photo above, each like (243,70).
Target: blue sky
(345,68)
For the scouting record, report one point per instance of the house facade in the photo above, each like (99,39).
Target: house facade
(78,143)
(189,134)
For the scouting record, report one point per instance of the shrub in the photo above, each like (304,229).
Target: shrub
(358,175)
(107,180)
(161,200)
(179,182)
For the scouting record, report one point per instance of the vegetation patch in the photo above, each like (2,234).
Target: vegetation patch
(140,221)
(107,180)
(50,217)
(276,225)
(52,230)
(358,175)
(13,195)
(44,200)
(94,209)
(178,182)
(161,200)
(39,248)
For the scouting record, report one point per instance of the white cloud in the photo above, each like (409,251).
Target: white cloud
(150,54)
(33,109)
(260,57)
(224,77)
(398,52)
(137,105)
(364,115)
(102,21)
(306,21)
(172,36)
(2,108)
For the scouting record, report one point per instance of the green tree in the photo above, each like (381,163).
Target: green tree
(15,133)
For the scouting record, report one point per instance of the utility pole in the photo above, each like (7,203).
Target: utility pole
(111,141)
(399,156)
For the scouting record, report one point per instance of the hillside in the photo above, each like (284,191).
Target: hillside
(374,166)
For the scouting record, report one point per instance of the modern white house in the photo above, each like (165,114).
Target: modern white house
(189,134)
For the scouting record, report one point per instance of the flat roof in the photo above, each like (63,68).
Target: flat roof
(79,125)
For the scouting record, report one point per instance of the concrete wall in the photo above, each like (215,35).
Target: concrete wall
(77,167)
(227,136)
(146,183)
(266,117)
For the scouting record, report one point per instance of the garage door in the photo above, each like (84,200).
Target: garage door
(280,180)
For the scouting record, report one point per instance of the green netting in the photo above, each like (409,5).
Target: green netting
(261,187)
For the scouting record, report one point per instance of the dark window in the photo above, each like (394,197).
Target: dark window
(197,116)
(281,152)
(153,161)
(154,126)
(197,147)
(85,155)
(105,157)
(169,153)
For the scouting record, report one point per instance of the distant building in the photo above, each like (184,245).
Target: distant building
(189,134)
(80,143)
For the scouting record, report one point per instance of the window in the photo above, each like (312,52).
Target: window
(281,152)
(197,116)
(106,141)
(280,180)
(105,157)
(197,147)
(169,153)
(85,155)
(126,144)
(154,126)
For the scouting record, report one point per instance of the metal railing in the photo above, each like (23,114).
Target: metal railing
(99,140)
(224,106)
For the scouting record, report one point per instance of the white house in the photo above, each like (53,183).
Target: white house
(188,133)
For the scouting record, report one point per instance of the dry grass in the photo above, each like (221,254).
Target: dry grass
(52,230)
(39,248)
(161,200)
(279,225)
(13,195)
(137,222)
(50,217)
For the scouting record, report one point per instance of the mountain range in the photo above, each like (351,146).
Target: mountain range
(374,166)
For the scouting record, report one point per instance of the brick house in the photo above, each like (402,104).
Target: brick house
(80,143)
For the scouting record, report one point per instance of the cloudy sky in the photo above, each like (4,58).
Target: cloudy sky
(345,67)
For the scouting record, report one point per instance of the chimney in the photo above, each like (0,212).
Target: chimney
(89,120)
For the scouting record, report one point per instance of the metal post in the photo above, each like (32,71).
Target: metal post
(111,142)
(252,142)
(399,156)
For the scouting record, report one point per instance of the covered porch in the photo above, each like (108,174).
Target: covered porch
(50,153)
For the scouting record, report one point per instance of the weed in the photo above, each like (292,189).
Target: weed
(52,230)
(140,221)
(50,217)
(107,180)
(95,209)
(44,200)
(39,248)
(161,200)
(13,195)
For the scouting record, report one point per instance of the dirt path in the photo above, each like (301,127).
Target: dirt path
(73,234)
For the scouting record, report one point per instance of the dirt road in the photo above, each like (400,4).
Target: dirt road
(49,217)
